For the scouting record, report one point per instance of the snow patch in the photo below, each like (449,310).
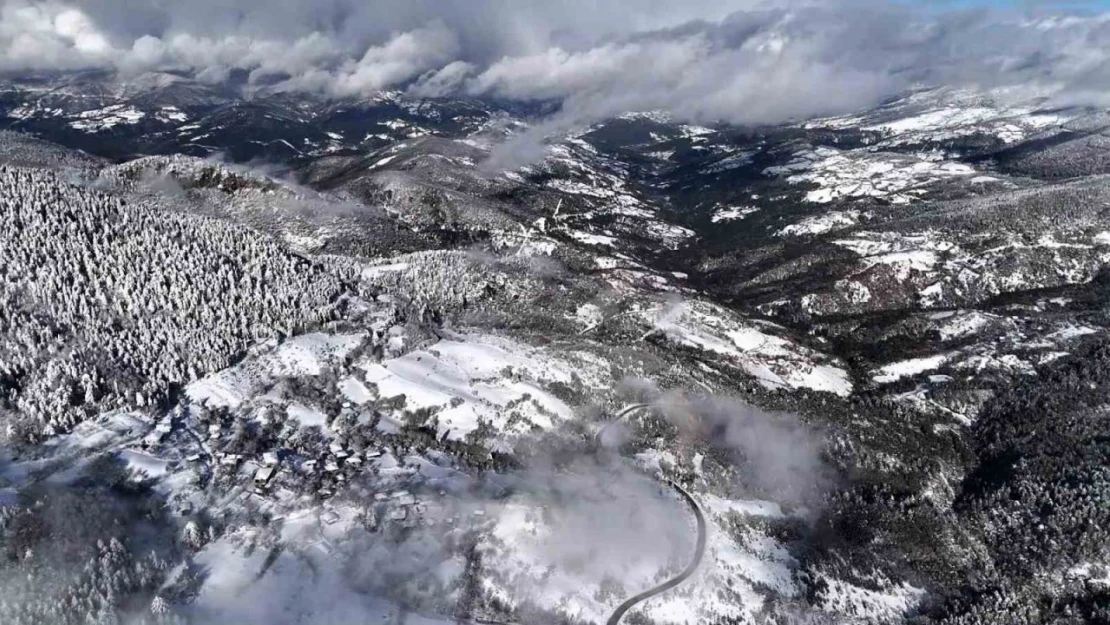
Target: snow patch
(477,379)
(964,324)
(732,213)
(307,354)
(773,361)
(820,224)
(107,118)
(896,177)
(898,370)
(144,463)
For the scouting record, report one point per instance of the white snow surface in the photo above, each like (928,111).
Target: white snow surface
(820,224)
(302,355)
(962,324)
(732,213)
(107,118)
(775,362)
(898,370)
(946,114)
(903,252)
(756,508)
(144,463)
(896,177)
(478,378)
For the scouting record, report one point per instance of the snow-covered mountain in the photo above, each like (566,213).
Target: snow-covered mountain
(316,361)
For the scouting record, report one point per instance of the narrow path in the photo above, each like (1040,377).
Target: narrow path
(699,553)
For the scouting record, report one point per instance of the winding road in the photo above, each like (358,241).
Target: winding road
(699,552)
(624,412)
(699,549)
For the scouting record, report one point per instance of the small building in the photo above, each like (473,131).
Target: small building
(263,475)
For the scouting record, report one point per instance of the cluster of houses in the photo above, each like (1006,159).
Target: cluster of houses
(337,466)
(326,472)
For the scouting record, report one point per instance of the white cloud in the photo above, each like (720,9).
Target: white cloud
(442,82)
(401,58)
(556,74)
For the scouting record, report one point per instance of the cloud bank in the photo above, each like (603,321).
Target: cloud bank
(738,61)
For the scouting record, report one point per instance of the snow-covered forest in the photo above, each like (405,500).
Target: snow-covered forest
(108,304)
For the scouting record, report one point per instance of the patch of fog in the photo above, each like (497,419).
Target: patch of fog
(774,453)
(318,578)
(567,537)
